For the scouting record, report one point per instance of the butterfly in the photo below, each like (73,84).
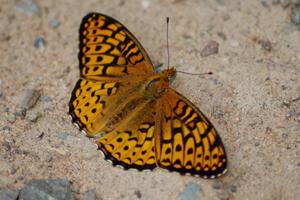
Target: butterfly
(139,121)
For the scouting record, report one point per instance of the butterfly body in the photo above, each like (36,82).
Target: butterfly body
(143,122)
(159,83)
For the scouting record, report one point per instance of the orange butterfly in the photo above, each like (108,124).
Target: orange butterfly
(143,122)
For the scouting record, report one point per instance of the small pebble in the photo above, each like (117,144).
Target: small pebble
(232,188)
(295,99)
(4,37)
(217,185)
(30,98)
(191,191)
(64,135)
(39,42)
(21,113)
(89,195)
(45,98)
(29,7)
(295,18)
(40,136)
(265,44)
(54,23)
(20,178)
(283,87)
(21,151)
(218,114)
(264,3)
(49,158)
(6,146)
(138,194)
(11,117)
(33,116)
(286,103)
(212,47)
(222,35)
(6,128)
(291,114)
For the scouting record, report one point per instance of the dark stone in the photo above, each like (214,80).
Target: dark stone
(39,42)
(6,147)
(54,23)
(29,7)
(191,191)
(232,188)
(21,113)
(7,194)
(217,185)
(58,189)
(265,44)
(138,194)
(222,35)
(295,16)
(45,98)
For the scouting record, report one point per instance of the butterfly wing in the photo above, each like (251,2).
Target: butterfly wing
(188,142)
(131,144)
(109,55)
(108,49)
(89,100)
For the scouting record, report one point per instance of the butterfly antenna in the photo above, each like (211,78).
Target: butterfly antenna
(168,42)
(199,74)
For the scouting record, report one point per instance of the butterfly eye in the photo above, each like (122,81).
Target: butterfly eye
(152,83)
(171,78)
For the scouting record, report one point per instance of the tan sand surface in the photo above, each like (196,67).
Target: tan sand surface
(252,98)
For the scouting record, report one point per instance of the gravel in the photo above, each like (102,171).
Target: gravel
(212,47)
(7,194)
(57,189)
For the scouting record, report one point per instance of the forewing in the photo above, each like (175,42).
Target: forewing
(108,49)
(188,142)
(111,60)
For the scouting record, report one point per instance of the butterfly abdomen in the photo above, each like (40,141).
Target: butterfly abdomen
(119,116)
(125,113)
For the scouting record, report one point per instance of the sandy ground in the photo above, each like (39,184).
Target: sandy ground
(253,97)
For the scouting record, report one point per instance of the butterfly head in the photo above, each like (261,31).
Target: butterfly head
(169,74)
(160,82)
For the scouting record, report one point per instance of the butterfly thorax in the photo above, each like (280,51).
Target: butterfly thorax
(159,83)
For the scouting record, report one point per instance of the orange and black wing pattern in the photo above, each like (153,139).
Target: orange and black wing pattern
(108,49)
(131,144)
(108,52)
(188,143)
